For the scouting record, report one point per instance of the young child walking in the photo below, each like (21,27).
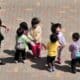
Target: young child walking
(36,33)
(22,42)
(1,35)
(74,48)
(57,28)
(52,47)
(2,38)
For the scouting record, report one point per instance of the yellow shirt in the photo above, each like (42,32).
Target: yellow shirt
(53,48)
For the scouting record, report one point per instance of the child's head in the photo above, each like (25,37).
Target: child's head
(75,36)
(23,29)
(35,21)
(0,22)
(53,38)
(56,27)
(24,25)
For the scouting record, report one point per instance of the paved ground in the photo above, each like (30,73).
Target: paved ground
(12,12)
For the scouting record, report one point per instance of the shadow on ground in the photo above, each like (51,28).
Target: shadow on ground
(41,65)
(37,63)
(12,53)
(9,52)
(7,60)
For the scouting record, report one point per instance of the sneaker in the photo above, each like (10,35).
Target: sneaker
(58,62)
(50,69)
(39,57)
(25,61)
(34,57)
(73,71)
(15,61)
(2,63)
(53,68)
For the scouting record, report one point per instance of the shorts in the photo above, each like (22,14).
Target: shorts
(50,59)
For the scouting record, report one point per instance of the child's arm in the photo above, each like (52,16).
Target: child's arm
(28,40)
(7,29)
(72,48)
(44,46)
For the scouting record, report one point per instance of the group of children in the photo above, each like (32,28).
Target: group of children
(31,39)
(28,39)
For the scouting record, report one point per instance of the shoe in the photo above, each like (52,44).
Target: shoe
(15,61)
(58,62)
(25,61)
(2,63)
(39,57)
(53,68)
(50,69)
(73,71)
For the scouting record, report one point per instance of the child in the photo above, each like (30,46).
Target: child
(52,51)
(36,32)
(1,36)
(75,51)
(57,28)
(22,42)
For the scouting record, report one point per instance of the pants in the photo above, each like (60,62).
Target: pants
(59,54)
(50,61)
(0,43)
(1,38)
(20,54)
(36,50)
(73,63)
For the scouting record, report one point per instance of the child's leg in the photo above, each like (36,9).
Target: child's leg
(38,49)
(17,55)
(23,54)
(53,63)
(49,62)
(59,54)
(79,60)
(73,65)
(34,50)
(0,44)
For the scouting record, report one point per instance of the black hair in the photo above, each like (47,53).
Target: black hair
(54,26)
(24,25)
(53,38)
(76,36)
(0,22)
(19,32)
(58,25)
(35,21)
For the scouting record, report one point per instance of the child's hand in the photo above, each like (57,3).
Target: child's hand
(43,46)
(7,29)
